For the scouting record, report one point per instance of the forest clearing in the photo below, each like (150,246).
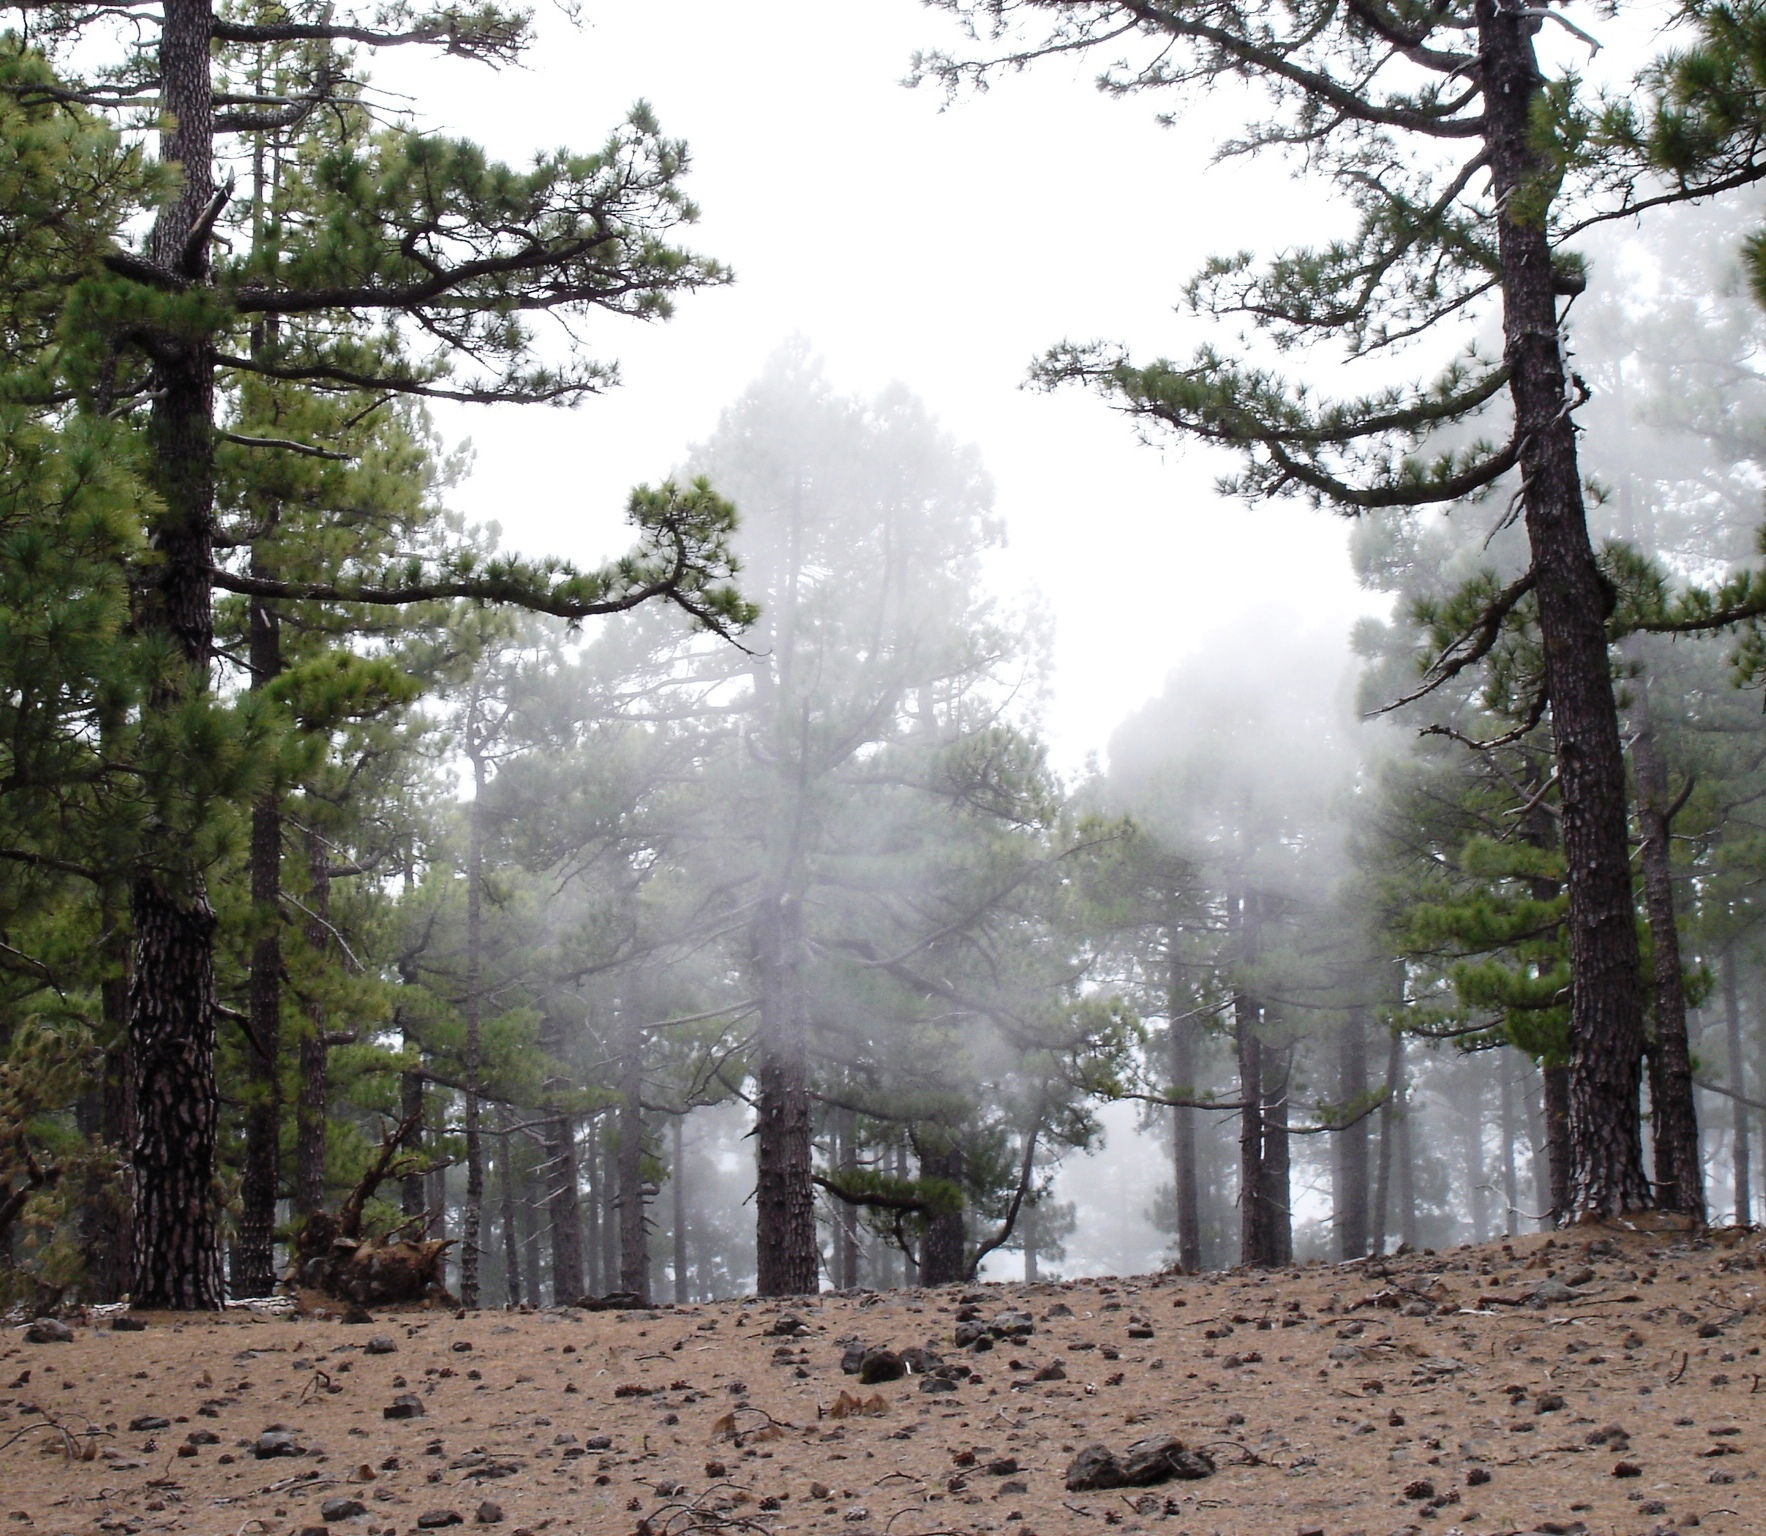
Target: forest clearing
(1599,1380)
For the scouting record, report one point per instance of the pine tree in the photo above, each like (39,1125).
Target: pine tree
(1408,112)
(410,227)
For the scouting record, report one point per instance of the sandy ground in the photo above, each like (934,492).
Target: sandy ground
(1608,1383)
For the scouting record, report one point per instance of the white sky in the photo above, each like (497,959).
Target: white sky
(942,248)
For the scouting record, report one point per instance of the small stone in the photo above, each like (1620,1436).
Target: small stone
(1476,1477)
(1548,1402)
(489,1513)
(276,1442)
(126,1323)
(1627,1469)
(435,1519)
(380,1344)
(355,1313)
(149,1421)
(1422,1488)
(341,1509)
(407,1405)
(1094,1469)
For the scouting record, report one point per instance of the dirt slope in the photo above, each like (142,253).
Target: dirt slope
(1609,1382)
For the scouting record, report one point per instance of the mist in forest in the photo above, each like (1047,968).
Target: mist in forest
(1279,977)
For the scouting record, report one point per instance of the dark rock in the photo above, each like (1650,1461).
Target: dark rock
(1422,1488)
(489,1513)
(971,1331)
(788,1325)
(880,1365)
(380,1344)
(356,1313)
(407,1405)
(149,1421)
(49,1330)
(435,1519)
(1002,1466)
(853,1357)
(1158,1457)
(598,1443)
(276,1442)
(1054,1372)
(341,1509)
(126,1323)
(920,1361)
(1094,1468)
(1013,1325)
(937,1384)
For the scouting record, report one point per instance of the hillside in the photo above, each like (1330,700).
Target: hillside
(1600,1380)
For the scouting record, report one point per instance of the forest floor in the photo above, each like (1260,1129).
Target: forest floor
(1599,1381)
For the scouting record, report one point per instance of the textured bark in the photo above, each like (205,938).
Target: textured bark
(172,1039)
(1259,1238)
(1472,1129)
(1274,1189)
(171,998)
(785,1226)
(846,1244)
(108,1116)
(1680,1179)
(1573,601)
(1738,1079)
(595,1274)
(1349,1162)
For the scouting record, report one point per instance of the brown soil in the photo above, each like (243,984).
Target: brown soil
(1427,1393)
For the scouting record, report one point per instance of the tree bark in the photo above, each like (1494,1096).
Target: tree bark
(1559,1160)
(1275,1188)
(1391,1109)
(677,1179)
(1510,1133)
(1573,600)
(563,1200)
(942,1252)
(785,1230)
(511,1225)
(172,998)
(472,1216)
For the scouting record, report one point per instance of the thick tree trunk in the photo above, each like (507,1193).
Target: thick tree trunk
(1180,1038)
(785,1230)
(171,999)
(1573,600)
(594,1249)
(1738,1080)
(845,1244)
(1477,1187)
(1349,1161)
(563,1201)
(1680,1180)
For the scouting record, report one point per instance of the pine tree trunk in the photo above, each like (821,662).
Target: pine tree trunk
(846,1244)
(785,1225)
(1680,1181)
(1738,1080)
(596,1270)
(634,1246)
(942,1253)
(1404,1168)
(1477,1190)
(107,1224)
(1573,600)
(1032,1230)
(1259,1242)
(1180,1035)
(1349,1162)
(563,1203)
(172,991)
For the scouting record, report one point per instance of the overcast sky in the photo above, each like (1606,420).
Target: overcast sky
(943,246)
